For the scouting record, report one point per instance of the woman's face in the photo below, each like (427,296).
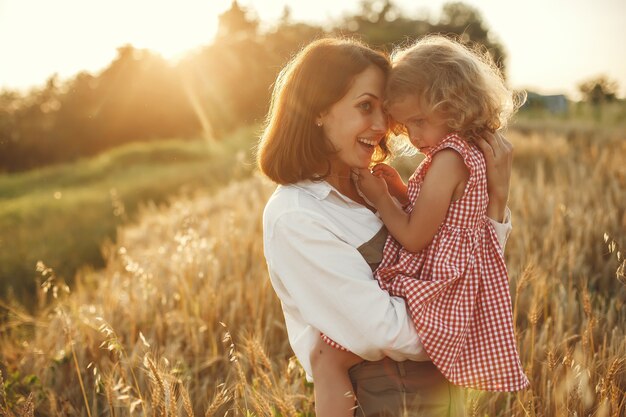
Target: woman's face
(356,123)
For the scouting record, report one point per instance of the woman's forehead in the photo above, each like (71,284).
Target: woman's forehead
(370,81)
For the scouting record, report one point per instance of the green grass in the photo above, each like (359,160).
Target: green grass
(62,215)
(580,119)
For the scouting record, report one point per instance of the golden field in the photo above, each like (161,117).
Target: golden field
(183,319)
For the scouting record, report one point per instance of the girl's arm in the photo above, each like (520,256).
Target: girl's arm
(446,177)
(396,187)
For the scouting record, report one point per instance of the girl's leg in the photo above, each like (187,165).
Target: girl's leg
(333,389)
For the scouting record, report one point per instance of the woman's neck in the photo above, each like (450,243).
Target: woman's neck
(342,183)
(340,177)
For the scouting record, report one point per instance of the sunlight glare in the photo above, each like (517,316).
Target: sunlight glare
(169,28)
(67,36)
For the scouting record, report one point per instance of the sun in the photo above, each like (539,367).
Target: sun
(170,28)
(65,37)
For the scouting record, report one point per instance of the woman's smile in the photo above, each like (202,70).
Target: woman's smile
(356,124)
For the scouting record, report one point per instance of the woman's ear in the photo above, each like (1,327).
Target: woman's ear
(319,120)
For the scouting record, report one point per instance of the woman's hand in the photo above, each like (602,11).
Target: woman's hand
(499,158)
(395,185)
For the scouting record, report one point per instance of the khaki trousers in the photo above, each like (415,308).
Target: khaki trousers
(388,388)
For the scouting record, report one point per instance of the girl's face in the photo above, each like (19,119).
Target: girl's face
(425,130)
(356,123)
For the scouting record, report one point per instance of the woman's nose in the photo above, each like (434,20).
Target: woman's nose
(379,122)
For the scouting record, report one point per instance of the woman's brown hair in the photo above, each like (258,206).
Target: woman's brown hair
(292,147)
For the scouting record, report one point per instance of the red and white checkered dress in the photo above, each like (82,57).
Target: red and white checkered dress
(457,288)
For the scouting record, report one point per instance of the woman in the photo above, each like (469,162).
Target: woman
(322,239)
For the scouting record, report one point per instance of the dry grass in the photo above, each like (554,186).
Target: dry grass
(183,319)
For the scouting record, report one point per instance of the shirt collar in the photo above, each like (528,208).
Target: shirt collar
(318,189)
(321,189)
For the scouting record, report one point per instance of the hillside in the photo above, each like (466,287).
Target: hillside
(63,214)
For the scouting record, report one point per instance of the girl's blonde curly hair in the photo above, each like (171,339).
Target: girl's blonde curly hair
(459,83)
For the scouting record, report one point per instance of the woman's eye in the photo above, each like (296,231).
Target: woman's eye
(365,106)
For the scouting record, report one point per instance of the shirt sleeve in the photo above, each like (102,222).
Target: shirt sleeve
(503,230)
(331,285)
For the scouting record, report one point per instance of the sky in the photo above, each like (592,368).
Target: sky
(552,45)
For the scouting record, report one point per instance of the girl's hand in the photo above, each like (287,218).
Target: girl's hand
(499,158)
(373,187)
(395,185)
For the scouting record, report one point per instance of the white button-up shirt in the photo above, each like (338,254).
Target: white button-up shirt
(311,235)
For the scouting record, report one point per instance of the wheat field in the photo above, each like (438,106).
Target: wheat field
(183,319)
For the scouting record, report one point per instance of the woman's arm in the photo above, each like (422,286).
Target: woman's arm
(499,158)
(414,231)
(329,283)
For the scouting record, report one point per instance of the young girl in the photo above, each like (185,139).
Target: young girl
(442,254)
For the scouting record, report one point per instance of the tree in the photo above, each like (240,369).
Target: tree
(9,138)
(467,23)
(236,22)
(599,89)
(381,24)
(141,96)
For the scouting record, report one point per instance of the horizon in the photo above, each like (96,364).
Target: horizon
(566,58)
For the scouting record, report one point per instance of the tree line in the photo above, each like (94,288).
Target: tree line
(226,84)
